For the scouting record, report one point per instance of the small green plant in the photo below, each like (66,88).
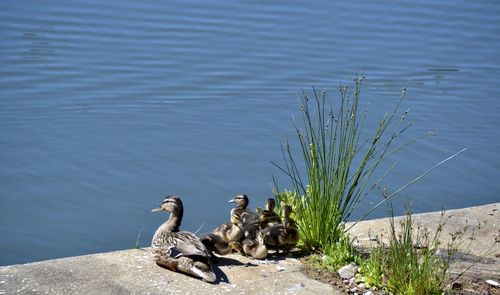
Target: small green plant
(414,261)
(372,268)
(339,254)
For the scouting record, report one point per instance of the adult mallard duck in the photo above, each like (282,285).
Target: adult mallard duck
(221,240)
(179,250)
(281,236)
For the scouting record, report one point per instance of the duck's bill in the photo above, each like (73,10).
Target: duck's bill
(232,201)
(156,209)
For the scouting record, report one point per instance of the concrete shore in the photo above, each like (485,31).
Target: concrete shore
(479,251)
(134,272)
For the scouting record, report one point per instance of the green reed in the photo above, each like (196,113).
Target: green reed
(338,163)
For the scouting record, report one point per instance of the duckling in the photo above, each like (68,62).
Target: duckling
(254,247)
(215,244)
(247,216)
(180,250)
(221,240)
(268,217)
(281,236)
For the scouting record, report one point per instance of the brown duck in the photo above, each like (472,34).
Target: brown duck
(281,236)
(180,250)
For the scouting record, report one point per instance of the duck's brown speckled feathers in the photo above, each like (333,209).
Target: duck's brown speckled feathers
(249,218)
(281,236)
(182,242)
(180,250)
(268,217)
(246,216)
(220,240)
(255,248)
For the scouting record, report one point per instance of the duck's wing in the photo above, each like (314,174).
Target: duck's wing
(273,230)
(187,244)
(268,218)
(249,216)
(271,235)
(222,228)
(245,215)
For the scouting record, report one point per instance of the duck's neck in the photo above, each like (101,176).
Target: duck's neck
(270,206)
(171,225)
(174,221)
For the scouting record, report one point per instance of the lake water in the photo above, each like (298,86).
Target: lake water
(105,106)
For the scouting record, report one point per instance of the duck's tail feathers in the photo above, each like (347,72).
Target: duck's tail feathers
(205,272)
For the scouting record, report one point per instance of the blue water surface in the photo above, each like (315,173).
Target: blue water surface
(105,106)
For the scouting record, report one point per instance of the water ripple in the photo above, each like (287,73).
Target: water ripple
(107,105)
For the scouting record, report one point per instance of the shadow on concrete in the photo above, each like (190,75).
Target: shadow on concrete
(225,261)
(221,276)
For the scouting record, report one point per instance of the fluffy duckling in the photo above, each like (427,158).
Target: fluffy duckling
(268,217)
(180,250)
(251,246)
(221,240)
(215,244)
(247,216)
(255,248)
(281,236)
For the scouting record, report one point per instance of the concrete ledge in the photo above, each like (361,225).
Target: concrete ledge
(479,250)
(134,272)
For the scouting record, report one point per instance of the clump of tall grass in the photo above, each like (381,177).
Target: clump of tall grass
(335,171)
(338,253)
(338,163)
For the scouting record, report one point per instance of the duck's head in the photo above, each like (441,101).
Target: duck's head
(270,204)
(241,201)
(287,210)
(171,204)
